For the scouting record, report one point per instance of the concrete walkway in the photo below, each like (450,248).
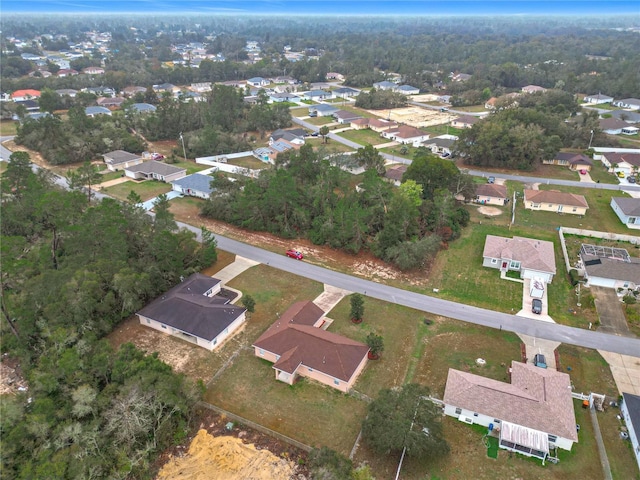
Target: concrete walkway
(234,269)
(604,460)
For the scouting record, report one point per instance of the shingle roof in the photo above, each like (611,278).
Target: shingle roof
(407,131)
(536,398)
(153,166)
(574,158)
(467,119)
(628,206)
(296,341)
(119,156)
(186,308)
(396,173)
(630,158)
(612,124)
(612,269)
(491,190)
(346,115)
(97,110)
(197,182)
(439,142)
(555,197)
(143,107)
(632,402)
(532,254)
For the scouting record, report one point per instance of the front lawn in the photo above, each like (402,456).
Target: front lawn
(250,162)
(364,137)
(190,166)
(320,120)
(147,190)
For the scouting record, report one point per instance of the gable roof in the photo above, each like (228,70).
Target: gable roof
(407,131)
(467,119)
(630,158)
(197,182)
(439,142)
(143,107)
(119,156)
(611,268)
(396,173)
(346,115)
(97,111)
(26,93)
(574,158)
(555,197)
(153,166)
(294,338)
(187,308)
(612,124)
(537,398)
(628,206)
(531,253)
(491,190)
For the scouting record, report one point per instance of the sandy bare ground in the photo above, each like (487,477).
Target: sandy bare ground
(491,211)
(415,116)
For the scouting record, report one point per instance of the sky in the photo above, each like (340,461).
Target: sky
(331,7)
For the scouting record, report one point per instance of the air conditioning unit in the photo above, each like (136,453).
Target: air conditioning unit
(465,419)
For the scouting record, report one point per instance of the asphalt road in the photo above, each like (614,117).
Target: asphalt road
(424,303)
(4,152)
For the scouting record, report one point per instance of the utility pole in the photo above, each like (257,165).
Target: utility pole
(184,151)
(590,140)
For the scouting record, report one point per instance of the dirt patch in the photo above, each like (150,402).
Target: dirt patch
(415,116)
(491,211)
(11,379)
(242,453)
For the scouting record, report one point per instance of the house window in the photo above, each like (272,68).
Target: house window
(535,205)
(475,414)
(277,357)
(458,411)
(215,340)
(148,321)
(626,285)
(574,209)
(310,370)
(261,351)
(336,381)
(515,265)
(164,326)
(494,261)
(552,438)
(495,420)
(632,220)
(226,330)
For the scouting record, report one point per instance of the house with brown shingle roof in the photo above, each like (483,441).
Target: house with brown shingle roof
(626,163)
(395,173)
(532,258)
(491,194)
(532,415)
(465,121)
(406,134)
(298,346)
(575,161)
(555,201)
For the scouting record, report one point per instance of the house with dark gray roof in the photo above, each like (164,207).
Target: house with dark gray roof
(195,185)
(345,92)
(531,257)
(630,409)
(628,210)
(631,103)
(597,99)
(154,170)
(195,311)
(119,159)
(294,136)
(344,116)
(299,346)
(609,267)
(322,110)
(440,145)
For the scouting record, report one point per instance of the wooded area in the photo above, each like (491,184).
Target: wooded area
(71,271)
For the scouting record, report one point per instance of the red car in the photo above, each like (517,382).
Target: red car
(294,254)
(583,172)
(157,156)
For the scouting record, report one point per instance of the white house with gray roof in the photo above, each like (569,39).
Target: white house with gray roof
(609,267)
(119,159)
(630,409)
(531,415)
(531,257)
(196,185)
(628,210)
(154,170)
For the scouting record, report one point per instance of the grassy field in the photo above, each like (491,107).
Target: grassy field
(249,162)
(147,189)
(472,108)
(330,146)
(108,175)
(443,129)
(8,127)
(599,174)
(364,137)
(190,166)
(300,112)
(320,120)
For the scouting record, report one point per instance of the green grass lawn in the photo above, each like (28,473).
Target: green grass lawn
(363,137)
(249,162)
(329,147)
(300,112)
(443,129)
(108,175)
(8,128)
(599,173)
(147,189)
(190,166)
(320,120)
(395,151)
(472,108)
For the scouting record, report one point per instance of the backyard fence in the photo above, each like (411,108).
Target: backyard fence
(237,418)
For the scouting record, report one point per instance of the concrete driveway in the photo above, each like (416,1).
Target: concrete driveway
(625,370)
(609,307)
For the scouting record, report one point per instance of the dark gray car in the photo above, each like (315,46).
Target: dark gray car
(536,306)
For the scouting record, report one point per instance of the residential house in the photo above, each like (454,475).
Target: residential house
(67,72)
(195,185)
(29,105)
(555,201)
(22,95)
(381,125)
(258,82)
(322,110)
(386,85)
(317,94)
(154,170)
(444,99)
(630,409)
(575,161)
(95,111)
(67,91)
(93,71)
(110,102)
(531,257)
(283,97)
(533,89)
(491,194)
(284,79)
(613,126)
(395,174)
(295,136)
(201,87)
(119,160)
(143,108)
(406,135)
(360,123)
(166,87)
(597,99)
(628,210)
(532,414)
(441,145)
(100,91)
(335,76)
(345,92)
(298,345)
(131,91)
(191,97)
(609,267)
(630,103)
(344,116)
(465,121)
(460,77)
(626,116)
(627,163)
(194,311)
(408,90)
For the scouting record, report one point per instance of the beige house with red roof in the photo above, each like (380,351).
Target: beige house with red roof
(531,257)
(532,415)
(555,201)
(298,345)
